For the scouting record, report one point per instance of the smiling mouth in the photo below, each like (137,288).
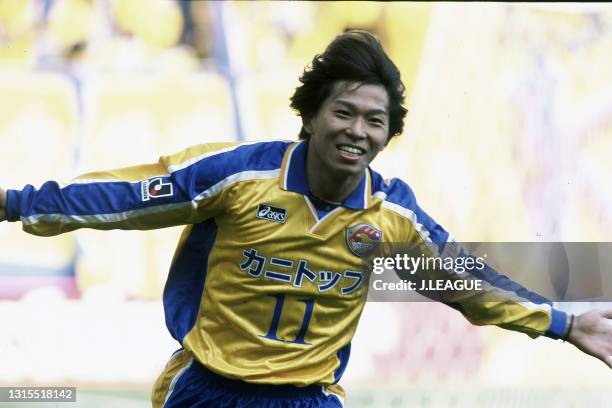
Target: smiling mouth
(350,151)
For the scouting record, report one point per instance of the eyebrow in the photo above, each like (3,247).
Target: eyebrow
(354,107)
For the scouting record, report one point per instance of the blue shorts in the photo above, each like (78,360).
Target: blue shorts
(194,386)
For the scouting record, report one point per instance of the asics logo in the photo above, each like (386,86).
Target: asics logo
(271,213)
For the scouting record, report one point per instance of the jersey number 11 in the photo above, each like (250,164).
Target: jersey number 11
(278,308)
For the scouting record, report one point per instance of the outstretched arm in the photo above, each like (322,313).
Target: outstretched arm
(184,188)
(2,204)
(591,332)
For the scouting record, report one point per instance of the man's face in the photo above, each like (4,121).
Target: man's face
(350,128)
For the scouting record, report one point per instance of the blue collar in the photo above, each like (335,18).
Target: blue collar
(293,178)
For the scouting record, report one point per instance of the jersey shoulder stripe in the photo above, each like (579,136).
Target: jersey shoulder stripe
(399,197)
(242,156)
(213,170)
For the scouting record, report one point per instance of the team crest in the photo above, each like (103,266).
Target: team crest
(363,239)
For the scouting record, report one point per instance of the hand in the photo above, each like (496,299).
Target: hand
(592,334)
(2,204)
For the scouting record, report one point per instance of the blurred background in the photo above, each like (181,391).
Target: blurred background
(508,138)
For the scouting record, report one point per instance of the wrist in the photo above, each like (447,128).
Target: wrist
(558,324)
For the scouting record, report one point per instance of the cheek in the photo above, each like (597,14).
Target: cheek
(322,128)
(379,140)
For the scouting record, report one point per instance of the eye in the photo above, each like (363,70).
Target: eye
(377,122)
(342,113)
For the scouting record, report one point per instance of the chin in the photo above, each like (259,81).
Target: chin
(348,170)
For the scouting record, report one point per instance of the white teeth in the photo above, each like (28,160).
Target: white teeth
(350,149)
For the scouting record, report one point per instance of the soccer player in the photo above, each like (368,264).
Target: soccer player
(266,286)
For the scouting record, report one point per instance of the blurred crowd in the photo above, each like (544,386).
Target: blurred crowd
(109,35)
(113,35)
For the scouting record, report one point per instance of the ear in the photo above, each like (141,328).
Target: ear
(307,125)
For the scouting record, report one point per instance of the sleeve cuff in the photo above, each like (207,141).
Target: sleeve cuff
(558,324)
(12,205)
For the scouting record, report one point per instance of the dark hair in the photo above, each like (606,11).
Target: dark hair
(355,56)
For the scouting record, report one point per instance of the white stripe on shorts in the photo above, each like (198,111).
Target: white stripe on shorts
(177,377)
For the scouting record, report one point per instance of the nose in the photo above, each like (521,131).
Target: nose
(356,128)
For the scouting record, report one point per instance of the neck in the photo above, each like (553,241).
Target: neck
(329,186)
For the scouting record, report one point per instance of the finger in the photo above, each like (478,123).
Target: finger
(607,313)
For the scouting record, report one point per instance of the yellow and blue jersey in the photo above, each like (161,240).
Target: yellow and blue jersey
(265,285)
